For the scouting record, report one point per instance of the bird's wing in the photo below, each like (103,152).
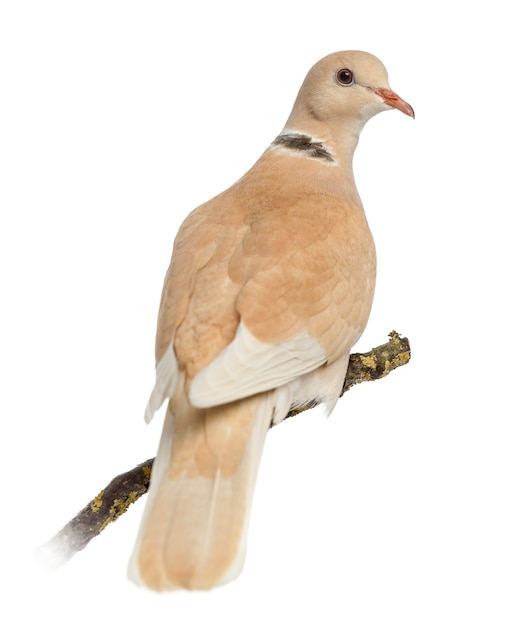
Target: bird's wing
(257,296)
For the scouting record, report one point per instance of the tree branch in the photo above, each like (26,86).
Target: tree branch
(126,488)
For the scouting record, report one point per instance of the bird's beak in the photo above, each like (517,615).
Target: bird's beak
(393,100)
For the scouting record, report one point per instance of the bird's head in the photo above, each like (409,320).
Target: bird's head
(347,87)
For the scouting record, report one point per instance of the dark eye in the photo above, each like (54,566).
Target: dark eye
(345,76)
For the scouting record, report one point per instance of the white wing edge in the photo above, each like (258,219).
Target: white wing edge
(248,366)
(167,373)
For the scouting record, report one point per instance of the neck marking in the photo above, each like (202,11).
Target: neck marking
(304,143)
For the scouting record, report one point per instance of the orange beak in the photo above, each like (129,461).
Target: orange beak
(393,100)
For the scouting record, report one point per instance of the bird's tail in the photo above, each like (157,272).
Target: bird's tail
(193,533)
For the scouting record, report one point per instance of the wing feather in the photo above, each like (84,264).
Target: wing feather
(248,366)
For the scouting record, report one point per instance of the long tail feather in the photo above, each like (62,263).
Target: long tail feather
(194,530)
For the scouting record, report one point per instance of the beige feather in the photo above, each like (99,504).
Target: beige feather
(195,525)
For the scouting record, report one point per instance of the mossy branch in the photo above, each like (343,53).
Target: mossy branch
(126,488)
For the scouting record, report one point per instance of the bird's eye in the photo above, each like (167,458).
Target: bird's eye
(345,77)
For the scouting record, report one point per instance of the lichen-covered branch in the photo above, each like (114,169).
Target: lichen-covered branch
(126,488)
(107,506)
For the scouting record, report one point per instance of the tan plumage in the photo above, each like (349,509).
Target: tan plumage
(269,287)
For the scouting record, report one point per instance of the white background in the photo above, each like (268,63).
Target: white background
(118,118)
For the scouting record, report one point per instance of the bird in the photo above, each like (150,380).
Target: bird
(269,287)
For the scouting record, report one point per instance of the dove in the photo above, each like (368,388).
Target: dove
(269,287)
